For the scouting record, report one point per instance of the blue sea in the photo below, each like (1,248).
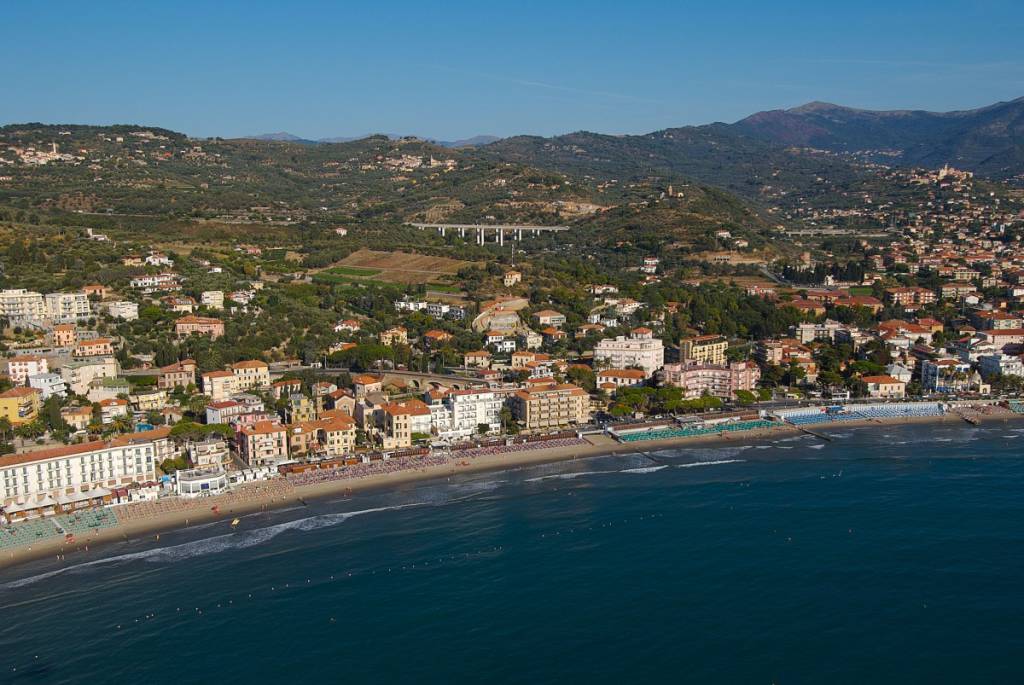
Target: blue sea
(890,555)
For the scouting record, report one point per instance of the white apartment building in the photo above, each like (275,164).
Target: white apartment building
(67,307)
(20,306)
(61,478)
(1001,365)
(19,368)
(122,309)
(212,299)
(641,350)
(79,374)
(469,409)
(48,384)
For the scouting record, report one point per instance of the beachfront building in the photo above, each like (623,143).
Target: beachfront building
(945,375)
(470,410)
(72,476)
(550,406)
(332,436)
(251,374)
(885,387)
(1001,365)
(403,422)
(717,380)
(20,405)
(198,325)
(20,367)
(265,443)
(704,349)
(201,482)
(641,350)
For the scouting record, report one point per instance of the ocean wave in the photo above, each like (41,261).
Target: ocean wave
(710,463)
(645,469)
(816,447)
(213,545)
(567,476)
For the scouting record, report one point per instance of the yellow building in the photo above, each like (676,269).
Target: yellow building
(706,349)
(20,405)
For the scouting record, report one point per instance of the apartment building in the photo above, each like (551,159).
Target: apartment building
(251,374)
(717,380)
(550,406)
(179,374)
(212,299)
(68,307)
(265,443)
(48,384)
(64,335)
(79,374)
(403,420)
(704,349)
(327,437)
(219,385)
(198,325)
(122,309)
(20,405)
(64,478)
(19,368)
(22,306)
(97,347)
(639,350)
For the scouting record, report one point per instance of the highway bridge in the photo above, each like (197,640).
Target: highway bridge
(499,230)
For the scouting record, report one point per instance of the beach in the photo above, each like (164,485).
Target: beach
(144,519)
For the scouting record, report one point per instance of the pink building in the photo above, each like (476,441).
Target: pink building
(717,380)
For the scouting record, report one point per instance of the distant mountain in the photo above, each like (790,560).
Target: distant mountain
(281,136)
(285,137)
(475,141)
(715,154)
(989,140)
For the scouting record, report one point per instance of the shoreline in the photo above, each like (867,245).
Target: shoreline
(270,495)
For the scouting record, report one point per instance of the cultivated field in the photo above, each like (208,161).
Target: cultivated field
(399,267)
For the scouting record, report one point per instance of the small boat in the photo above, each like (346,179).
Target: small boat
(234,523)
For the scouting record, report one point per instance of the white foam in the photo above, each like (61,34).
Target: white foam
(645,469)
(710,463)
(816,447)
(220,543)
(567,476)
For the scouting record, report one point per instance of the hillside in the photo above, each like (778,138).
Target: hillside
(133,177)
(988,141)
(714,155)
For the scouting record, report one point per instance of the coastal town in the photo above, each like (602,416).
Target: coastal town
(157,378)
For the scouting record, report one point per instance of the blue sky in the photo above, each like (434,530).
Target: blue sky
(456,69)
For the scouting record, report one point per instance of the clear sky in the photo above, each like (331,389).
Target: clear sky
(460,68)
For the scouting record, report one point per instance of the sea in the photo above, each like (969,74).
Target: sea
(892,554)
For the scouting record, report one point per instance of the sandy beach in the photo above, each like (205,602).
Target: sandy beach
(135,521)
